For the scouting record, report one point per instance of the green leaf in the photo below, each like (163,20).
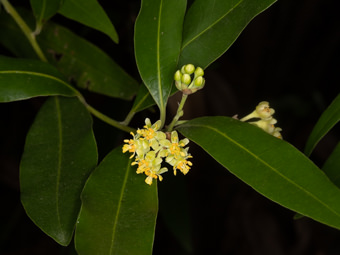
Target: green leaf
(158,34)
(84,64)
(60,152)
(43,9)
(332,166)
(89,13)
(212,26)
(271,166)
(328,119)
(143,100)
(119,210)
(23,79)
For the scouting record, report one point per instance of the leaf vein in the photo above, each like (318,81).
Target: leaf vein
(158,56)
(269,166)
(60,147)
(119,207)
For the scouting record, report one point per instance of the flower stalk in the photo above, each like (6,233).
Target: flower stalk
(179,113)
(105,118)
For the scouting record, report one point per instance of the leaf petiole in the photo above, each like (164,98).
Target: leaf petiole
(25,29)
(105,118)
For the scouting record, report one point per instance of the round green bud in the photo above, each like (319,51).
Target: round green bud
(186,79)
(189,69)
(178,76)
(199,81)
(199,72)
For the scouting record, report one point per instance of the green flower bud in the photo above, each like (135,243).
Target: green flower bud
(199,72)
(178,76)
(199,81)
(186,79)
(189,69)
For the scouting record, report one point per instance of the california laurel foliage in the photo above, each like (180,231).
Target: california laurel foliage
(111,145)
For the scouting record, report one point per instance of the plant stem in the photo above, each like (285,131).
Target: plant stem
(162,116)
(179,113)
(105,118)
(128,118)
(32,39)
(25,29)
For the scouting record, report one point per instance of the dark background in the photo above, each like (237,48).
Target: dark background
(289,56)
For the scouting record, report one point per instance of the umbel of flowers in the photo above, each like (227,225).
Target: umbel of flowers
(150,147)
(265,121)
(189,79)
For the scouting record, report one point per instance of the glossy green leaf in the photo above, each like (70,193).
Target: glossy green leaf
(271,166)
(212,26)
(60,152)
(332,166)
(143,100)
(23,79)
(328,119)
(89,13)
(158,35)
(119,210)
(84,64)
(45,9)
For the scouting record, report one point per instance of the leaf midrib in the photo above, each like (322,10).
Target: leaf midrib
(269,166)
(18,72)
(160,91)
(211,25)
(115,223)
(43,10)
(60,148)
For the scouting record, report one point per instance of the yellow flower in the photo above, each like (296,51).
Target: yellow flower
(180,163)
(176,154)
(183,165)
(277,133)
(266,121)
(262,111)
(151,166)
(266,124)
(150,146)
(131,145)
(149,131)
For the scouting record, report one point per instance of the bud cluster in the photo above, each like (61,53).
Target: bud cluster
(150,147)
(189,79)
(266,121)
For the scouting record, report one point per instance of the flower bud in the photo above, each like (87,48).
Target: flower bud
(199,72)
(186,79)
(189,79)
(178,76)
(189,68)
(199,82)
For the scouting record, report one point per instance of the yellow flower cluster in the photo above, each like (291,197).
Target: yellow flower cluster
(266,121)
(150,146)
